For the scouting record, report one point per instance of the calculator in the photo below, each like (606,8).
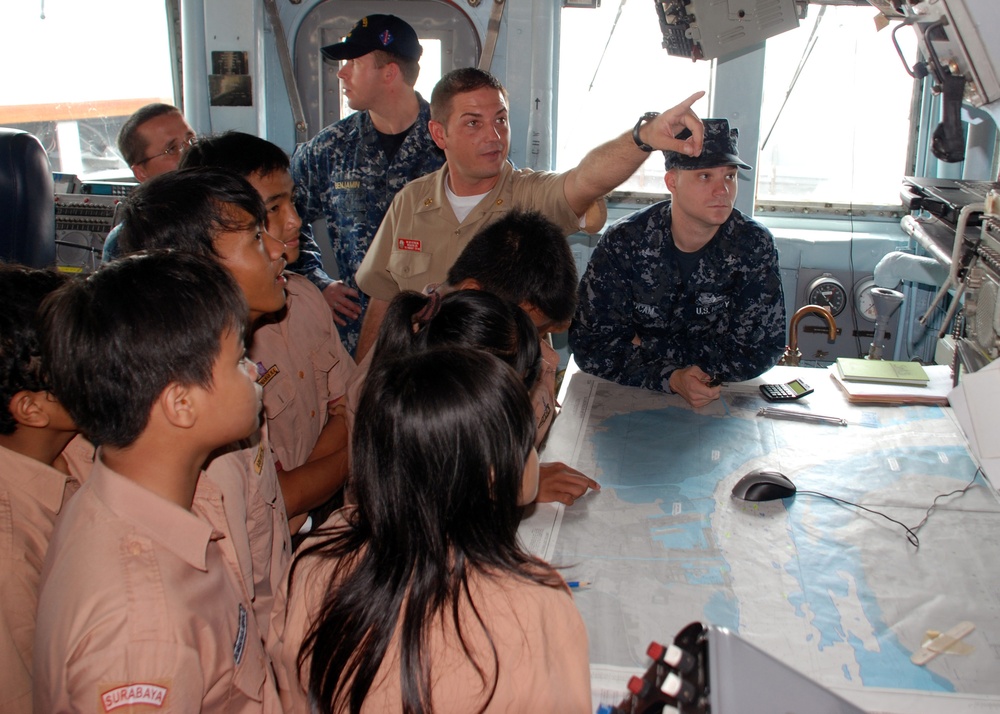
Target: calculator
(785,392)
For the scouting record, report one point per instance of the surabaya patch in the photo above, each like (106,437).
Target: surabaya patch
(408,244)
(137,693)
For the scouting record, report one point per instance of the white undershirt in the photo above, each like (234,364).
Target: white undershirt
(462,205)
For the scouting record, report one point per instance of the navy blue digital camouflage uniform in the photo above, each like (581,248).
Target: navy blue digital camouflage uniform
(342,175)
(728,319)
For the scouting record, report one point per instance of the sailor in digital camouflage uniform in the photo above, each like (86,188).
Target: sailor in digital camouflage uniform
(685,290)
(350,171)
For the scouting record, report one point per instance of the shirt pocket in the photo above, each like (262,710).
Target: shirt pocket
(406,265)
(330,382)
(279,394)
(249,674)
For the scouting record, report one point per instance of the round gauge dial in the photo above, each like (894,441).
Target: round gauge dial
(863,301)
(827,291)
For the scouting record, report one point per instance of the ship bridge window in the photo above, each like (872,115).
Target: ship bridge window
(76,69)
(608,79)
(835,120)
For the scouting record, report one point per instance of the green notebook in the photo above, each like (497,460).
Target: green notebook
(884,371)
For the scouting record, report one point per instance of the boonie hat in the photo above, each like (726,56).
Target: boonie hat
(377,32)
(718,149)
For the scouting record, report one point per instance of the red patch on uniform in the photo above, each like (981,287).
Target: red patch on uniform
(131,694)
(408,244)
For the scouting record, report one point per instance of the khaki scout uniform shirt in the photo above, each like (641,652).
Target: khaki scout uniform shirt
(142,603)
(255,512)
(302,366)
(32,495)
(540,640)
(420,238)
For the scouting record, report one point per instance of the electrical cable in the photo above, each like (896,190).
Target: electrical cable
(911,532)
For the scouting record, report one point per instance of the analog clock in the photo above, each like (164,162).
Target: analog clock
(863,301)
(827,291)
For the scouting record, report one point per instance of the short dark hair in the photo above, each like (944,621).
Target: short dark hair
(131,145)
(460,81)
(185,209)
(466,318)
(409,68)
(22,290)
(522,257)
(113,342)
(244,154)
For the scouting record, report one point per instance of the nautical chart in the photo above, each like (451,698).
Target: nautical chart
(837,593)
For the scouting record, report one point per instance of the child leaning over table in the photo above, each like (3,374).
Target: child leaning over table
(142,598)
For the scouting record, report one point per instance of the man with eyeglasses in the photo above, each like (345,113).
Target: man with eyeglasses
(152,142)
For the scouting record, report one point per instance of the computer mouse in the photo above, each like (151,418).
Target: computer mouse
(763,486)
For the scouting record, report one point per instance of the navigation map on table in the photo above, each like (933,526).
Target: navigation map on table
(837,593)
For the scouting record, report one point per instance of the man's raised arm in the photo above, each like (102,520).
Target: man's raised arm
(607,166)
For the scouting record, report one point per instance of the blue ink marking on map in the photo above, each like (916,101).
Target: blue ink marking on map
(703,574)
(685,536)
(723,610)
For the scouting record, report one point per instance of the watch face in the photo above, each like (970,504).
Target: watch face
(828,293)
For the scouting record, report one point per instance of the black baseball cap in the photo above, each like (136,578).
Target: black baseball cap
(719,149)
(377,32)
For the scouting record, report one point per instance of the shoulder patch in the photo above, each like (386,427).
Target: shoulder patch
(132,694)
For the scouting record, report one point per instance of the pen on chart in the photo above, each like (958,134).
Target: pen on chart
(772,413)
(578,584)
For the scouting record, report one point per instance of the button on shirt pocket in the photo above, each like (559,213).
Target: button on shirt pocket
(406,267)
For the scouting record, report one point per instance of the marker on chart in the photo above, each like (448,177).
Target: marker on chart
(578,584)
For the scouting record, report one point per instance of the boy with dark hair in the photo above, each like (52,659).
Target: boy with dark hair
(42,464)
(523,258)
(147,355)
(302,364)
(217,214)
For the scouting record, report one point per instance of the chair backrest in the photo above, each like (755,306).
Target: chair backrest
(27,204)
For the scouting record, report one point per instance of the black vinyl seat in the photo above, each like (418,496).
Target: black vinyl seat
(27,204)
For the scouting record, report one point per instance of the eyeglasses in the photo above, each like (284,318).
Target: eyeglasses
(172,150)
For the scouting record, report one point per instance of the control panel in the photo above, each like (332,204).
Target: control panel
(848,297)
(82,223)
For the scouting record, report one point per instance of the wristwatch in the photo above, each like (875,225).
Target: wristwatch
(648,116)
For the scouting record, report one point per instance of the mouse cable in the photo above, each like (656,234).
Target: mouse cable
(911,533)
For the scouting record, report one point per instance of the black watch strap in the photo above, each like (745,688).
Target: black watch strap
(648,116)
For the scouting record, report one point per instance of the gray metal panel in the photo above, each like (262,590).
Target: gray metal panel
(728,26)
(746,680)
(327,24)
